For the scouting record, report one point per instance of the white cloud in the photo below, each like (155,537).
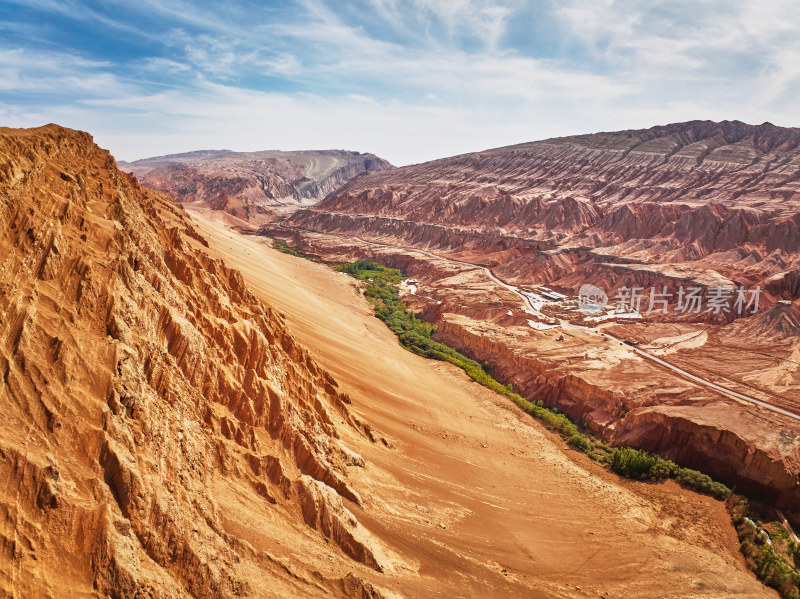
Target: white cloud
(402,83)
(484,19)
(683,39)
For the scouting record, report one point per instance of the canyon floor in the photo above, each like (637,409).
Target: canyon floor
(473,497)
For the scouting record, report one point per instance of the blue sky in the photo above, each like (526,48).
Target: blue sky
(410,80)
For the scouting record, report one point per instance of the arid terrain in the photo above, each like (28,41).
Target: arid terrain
(501,242)
(487,502)
(253,186)
(151,404)
(174,427)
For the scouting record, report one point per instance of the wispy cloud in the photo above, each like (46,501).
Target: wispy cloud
(735,44)
(411,80)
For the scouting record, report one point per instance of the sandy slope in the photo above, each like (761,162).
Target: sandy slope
(473,498)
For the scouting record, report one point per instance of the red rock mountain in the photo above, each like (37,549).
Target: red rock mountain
(695,194)
(705,204)
(149,402)
(253,185)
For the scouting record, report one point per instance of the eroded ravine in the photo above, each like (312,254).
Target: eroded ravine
(508,496)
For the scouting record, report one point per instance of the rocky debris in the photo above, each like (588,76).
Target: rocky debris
(140,379)
(253,186)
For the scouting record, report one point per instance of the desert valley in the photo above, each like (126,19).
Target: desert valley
(464,299)
(694,205)
(192,411)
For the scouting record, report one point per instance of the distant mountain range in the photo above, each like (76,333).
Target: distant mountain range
(253,186)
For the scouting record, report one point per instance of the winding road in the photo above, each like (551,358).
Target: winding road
(663,363)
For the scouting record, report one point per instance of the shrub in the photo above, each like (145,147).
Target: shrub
(635,463)
(580,441)
(663,469)
(702,483)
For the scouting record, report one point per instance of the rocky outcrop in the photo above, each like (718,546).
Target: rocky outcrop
(399,231)
(317,189)
(253,186)
(143,390)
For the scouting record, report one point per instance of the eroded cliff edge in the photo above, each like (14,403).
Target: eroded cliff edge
(149,400)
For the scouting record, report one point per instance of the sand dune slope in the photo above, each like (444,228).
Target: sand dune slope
(477,498)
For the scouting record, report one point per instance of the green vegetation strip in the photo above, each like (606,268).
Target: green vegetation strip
(281,245)
(768,555)
(415,335)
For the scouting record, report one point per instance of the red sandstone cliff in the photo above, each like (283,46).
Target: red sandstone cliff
(152,408)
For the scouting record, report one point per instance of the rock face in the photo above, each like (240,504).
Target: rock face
(697,204)
(148,399)
(690,163)
(253,186)
(674,193)
(699,196)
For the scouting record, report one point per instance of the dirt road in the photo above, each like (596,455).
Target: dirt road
(528,306)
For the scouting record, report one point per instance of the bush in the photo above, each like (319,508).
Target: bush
(663,469)
(794,551)
(702,483)
(635,463)
(580,441)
